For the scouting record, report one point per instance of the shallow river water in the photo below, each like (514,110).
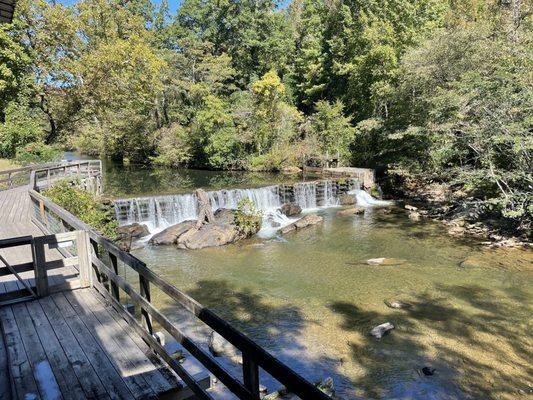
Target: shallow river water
(310,299)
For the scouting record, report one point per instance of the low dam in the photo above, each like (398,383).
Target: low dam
(159,212)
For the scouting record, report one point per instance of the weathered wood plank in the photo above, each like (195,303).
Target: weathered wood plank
(20,368)
(63,370)
(134,354)
(119,353)
(5,381)
(86,374)
(36,355)
(112,381)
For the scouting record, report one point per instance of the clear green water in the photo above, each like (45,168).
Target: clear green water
(310,300)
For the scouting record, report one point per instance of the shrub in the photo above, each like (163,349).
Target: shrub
(247,218)
(37,152)
(84,206)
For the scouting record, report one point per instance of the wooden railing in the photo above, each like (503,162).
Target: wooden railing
(87,173)
(15,177)
(106,258)
(38,285)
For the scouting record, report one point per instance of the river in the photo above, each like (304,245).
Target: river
(311,299)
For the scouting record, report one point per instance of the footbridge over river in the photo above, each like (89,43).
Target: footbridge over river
(76,316)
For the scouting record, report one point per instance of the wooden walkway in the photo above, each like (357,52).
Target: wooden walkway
(15,213)
(72,345)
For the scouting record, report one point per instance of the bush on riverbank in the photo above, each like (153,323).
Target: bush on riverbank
(85,206)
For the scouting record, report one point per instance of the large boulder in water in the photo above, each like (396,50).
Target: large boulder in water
(171,234)
(290,209)
(134,230)
(208,235)
(306,221)
(225,216)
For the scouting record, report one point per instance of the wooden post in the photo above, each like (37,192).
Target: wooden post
(84,258)
(145,292)
(250,374)
(114,287)
(42,212)
(39,264)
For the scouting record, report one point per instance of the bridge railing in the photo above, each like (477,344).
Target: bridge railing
(113,269)
(88,174)
(16,177)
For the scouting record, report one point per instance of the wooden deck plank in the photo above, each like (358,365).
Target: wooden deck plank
(112,381)
(87,376)
(66,377)
(5,381)
(20,368)
(119,353)
(137,355)
(35,354)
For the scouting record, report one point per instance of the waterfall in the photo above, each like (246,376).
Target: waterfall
(305,195)
(366,200)
(159,212)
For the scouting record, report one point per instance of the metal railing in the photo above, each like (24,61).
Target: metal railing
(106,259)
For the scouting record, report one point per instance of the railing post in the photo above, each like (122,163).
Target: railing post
(84,258)
(114,287)
(250,374)
(39,264)
(145,292)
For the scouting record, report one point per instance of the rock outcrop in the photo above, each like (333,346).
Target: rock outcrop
(134,231)
(290,209)
(188,235)
(171,234)
(304,222)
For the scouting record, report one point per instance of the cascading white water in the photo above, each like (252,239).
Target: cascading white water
(305,195)
(365,200)
(160,212)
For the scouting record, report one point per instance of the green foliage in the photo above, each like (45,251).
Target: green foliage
(37,153)
(19,129)
(83,205)
(247,218)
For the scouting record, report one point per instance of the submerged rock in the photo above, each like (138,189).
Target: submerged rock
(347,200)
(326,386)
(352,211)
(414,216)
(385,261)
(290,209)
(220,347)
(410,207)
(171,234)
(381,330)
(428,371)
(398,304)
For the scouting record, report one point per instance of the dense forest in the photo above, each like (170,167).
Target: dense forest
(441,89)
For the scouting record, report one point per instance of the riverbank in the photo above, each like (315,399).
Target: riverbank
(462,215)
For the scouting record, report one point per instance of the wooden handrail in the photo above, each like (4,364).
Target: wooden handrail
(253,355)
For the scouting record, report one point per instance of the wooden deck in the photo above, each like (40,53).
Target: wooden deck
(15,221)
(72,345)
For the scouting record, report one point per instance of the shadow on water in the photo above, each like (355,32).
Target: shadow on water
(450,332)
(277,328)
